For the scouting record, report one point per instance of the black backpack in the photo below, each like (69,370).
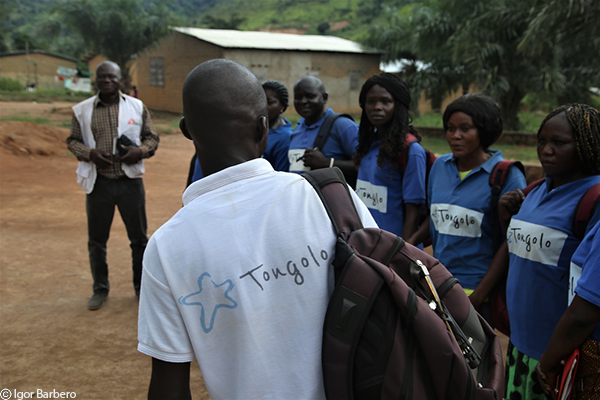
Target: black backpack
(398,324)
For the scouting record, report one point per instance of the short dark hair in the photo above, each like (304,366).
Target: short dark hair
(280,91)
(485,112)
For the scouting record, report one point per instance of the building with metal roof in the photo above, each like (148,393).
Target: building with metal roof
(341,64)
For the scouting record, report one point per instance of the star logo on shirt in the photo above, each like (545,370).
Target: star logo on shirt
(211,297)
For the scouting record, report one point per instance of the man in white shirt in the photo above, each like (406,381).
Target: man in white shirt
(240,277)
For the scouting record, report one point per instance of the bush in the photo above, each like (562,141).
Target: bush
(10,85)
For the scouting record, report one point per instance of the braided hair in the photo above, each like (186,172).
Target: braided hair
(279,90)
(393,145)
(485,113)
(585,124)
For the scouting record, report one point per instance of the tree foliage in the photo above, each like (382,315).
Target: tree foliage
(488,44)
(233,22)
(117,29)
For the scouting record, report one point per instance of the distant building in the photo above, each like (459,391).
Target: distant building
(43,70)
(341,64)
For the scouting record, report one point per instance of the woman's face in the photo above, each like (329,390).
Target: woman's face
(557,150)
(463,137)
(274,106)
(379,106)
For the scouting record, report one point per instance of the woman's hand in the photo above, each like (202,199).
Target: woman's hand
(314,159)
(548,381)
(508,205)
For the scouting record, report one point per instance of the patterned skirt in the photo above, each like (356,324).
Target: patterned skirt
(521,378)
(587,379)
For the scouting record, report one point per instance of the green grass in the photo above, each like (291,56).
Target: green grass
(530,120)
(510,152)
(44,96)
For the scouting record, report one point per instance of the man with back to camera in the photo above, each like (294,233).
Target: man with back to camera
(310,99)
(110,179)
(245,291)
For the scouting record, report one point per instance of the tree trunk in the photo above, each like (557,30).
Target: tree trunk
(511,104)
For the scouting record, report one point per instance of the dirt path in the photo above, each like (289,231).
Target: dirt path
(48,338)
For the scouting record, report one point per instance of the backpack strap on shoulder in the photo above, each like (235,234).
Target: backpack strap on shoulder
(408,141)
(585,209)
(532,186)
(497,180)
(330,185)
(325,129)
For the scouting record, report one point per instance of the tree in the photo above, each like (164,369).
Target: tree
(219,23)
(476,42)
(117,29)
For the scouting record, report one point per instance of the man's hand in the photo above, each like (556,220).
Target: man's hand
(314,159)
(133,155)
(100,158)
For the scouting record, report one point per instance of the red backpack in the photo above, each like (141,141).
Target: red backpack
(398,324)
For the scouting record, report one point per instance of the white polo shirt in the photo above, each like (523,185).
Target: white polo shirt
(240,279)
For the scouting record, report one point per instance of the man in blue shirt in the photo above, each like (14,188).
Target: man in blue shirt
(310,99)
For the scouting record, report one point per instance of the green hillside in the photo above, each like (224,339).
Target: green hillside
(32,22)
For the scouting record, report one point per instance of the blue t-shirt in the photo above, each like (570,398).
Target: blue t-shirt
(276,152)
(384,190)
(340,145)
(461,226)
(278,146)
(586,263)
(541,244)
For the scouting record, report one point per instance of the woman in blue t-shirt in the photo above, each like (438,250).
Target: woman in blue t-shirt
(280,129)
(579,326)
(460,197)
(393,196)
(541,240)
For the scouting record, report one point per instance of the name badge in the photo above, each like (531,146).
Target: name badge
(451,219)
(574,276)
(296,161)
(535,242)
(374,196)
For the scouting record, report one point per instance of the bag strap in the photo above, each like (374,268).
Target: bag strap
(497,181)
(408,141)
(325,129)
(585,209)
(331,186)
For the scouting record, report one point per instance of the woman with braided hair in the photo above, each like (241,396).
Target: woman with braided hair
(280,128)
(393,196)
(541,242)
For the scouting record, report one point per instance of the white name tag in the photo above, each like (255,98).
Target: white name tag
(455,220)
(574,276)
(535,242)
(373,196)
(296,162)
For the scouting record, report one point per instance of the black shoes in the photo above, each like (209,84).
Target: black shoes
(97,300)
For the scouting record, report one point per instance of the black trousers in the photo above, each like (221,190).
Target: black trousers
(129,197)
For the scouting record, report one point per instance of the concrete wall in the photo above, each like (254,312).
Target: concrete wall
(35,68)
(180,54)
(343,74)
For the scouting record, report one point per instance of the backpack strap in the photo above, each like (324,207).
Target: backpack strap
(330,185)
(497,180)
(325,129)
(408,140)
(585,209)
(532,186)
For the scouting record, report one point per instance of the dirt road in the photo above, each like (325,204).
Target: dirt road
(48,338)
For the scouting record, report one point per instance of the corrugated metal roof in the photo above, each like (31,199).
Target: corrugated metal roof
(274,41)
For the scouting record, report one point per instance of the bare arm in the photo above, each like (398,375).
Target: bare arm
(411,220)
(316,160)
(169,381)
(575,326)
(496,272)
(508,205)
(421,234)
